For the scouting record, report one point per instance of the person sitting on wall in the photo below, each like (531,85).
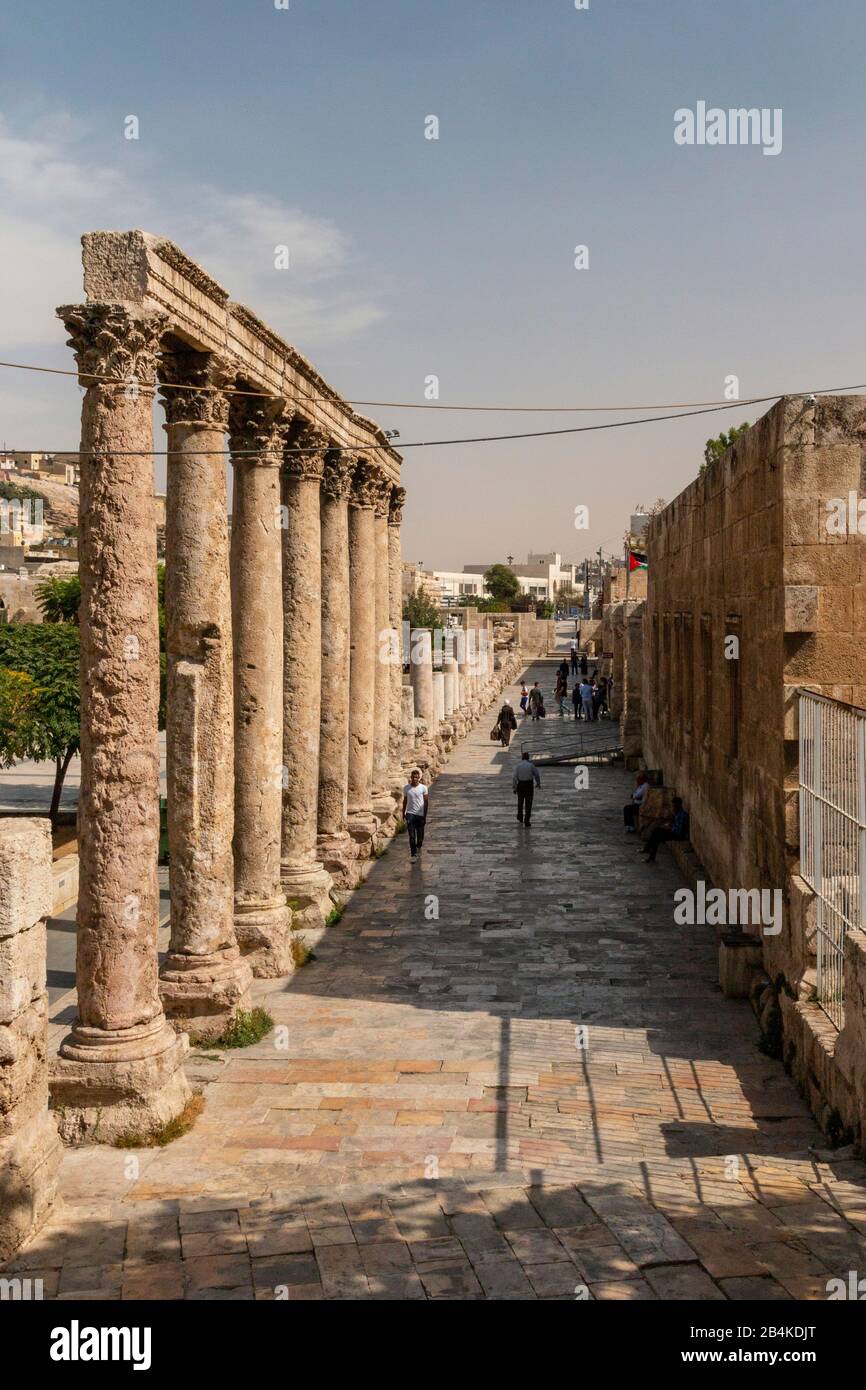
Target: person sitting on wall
(631,809)
(677,828)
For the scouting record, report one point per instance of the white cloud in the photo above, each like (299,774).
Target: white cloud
(50,193)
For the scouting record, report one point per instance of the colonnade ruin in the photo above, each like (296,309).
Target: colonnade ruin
(290,724)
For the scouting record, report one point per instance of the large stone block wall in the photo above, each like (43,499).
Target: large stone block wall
(745,553)
(29,1144)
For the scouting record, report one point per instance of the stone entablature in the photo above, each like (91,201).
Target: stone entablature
(140,270)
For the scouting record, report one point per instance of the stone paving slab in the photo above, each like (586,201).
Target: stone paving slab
(508,1074)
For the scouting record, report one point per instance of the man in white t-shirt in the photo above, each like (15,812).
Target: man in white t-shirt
(416,800)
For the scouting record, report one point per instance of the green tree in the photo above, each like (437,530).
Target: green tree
(40,720)
(714,448)
(420,611)
(59,599)
(501,582)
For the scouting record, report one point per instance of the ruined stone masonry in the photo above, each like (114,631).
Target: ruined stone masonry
(752,598)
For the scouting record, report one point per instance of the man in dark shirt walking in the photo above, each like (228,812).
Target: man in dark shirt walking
(526,778)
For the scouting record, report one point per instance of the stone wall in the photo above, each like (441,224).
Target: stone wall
(751,597)
(29,1146)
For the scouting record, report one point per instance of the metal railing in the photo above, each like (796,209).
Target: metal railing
(833,832)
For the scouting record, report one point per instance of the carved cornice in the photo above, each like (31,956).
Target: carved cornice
(173,256)
(338,476)
(109,341)
(257,430)
(395,513)
(192,388)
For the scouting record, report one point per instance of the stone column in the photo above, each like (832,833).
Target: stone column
(451,702)
(261,915)
(395,593)
(336,847)
(120,1068)
(383,800)
(363,824)
(407,728)
(306,882)
(29,1145)
(421,668)
(203,980)
(464,667)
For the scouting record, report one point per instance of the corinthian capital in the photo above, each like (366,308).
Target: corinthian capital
(365,485)
(305,456)
(395,512)
(383,496)
(257,430)
(193,388)
(112,343)
(337,477)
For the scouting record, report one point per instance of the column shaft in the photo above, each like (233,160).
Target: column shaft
(362,684)
(203,980)
(395,596)
(383,799)
(336,847)
(261,913)
(120,1067)
(304,879)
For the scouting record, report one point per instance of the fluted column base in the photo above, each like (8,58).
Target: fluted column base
(262,928)
(202,994)
(111,1083)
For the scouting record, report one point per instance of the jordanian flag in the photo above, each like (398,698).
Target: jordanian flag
(636,560)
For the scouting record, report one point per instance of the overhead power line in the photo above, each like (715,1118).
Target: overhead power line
(364,446)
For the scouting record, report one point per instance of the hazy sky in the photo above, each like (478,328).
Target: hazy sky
(412,257)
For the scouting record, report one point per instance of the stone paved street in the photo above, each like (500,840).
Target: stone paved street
(507,1074)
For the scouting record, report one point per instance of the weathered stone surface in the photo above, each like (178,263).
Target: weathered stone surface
(25,874)
(261,913)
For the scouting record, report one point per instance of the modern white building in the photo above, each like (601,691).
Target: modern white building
(540,575)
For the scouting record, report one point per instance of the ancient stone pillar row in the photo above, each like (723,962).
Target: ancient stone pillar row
(421,668)
(203,980)
(120,1068)
(383,799)
(305,880)
(29,1145)
(362,822)
(395,594)
(262,919)
(335,846)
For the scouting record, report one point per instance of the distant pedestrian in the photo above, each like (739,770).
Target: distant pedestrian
(574,656)
(584,665)
(586,699)
(536,701)
(575,700)
(561,692)
(524,697)
(677,828)
(416,803)
(506,724)
(631,810)
(602,697)
(526,778)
